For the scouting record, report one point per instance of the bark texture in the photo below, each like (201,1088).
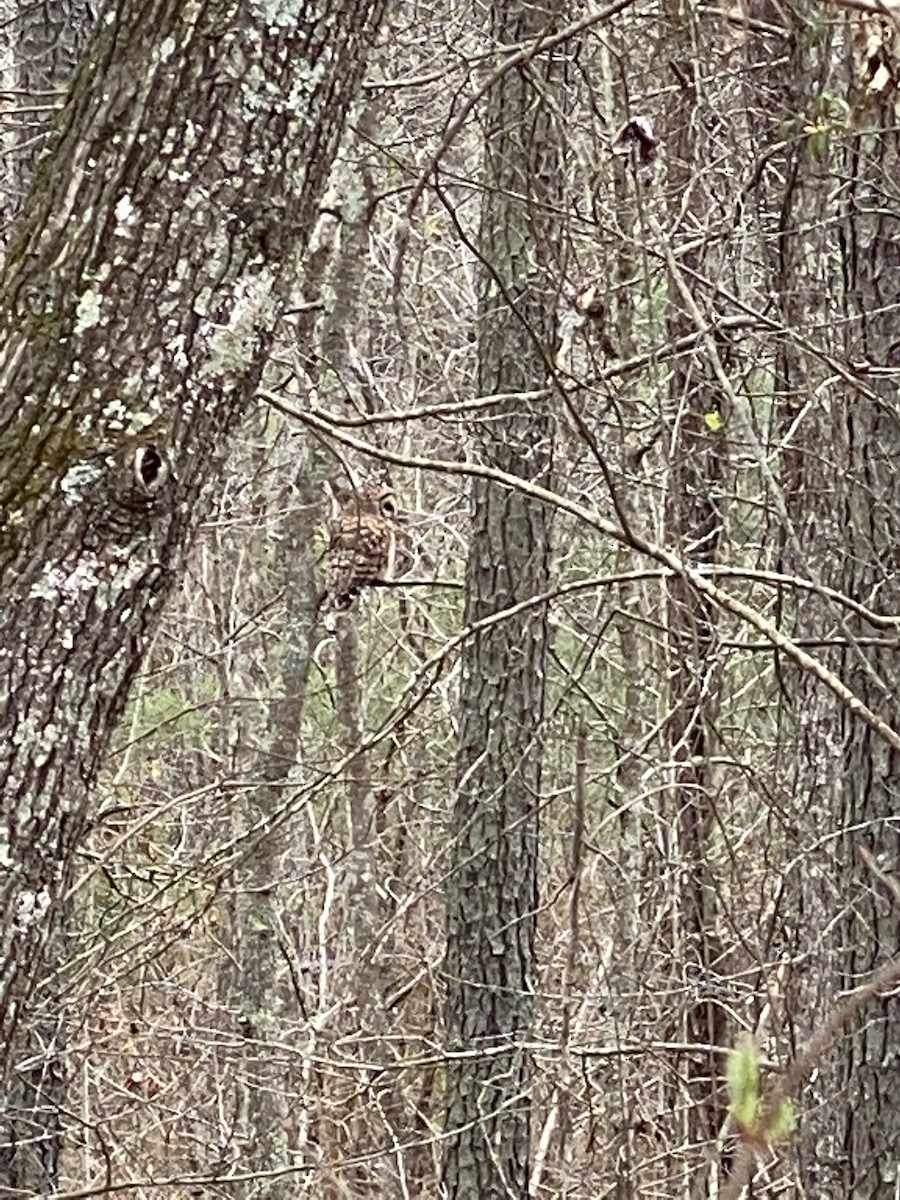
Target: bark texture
(46,43)
(837,281)
(865,1123)
(140,294)
(492,893)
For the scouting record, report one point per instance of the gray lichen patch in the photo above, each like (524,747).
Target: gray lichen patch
(87,313)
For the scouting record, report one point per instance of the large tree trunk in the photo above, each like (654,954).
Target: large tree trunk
(139,297)
(861,1130)
(837,282)
(492,890)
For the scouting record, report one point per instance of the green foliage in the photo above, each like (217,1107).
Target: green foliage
(830,116)
(816,29)
(782,1122)
(164,712)
(742,1074)
(762,1119)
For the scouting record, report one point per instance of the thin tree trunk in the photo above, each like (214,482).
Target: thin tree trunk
(789,65)
(695,524)
(492,891)
(263,995)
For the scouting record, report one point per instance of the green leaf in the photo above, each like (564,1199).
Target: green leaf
(782,1122)
(713,421)
(818,143)
(742,1074)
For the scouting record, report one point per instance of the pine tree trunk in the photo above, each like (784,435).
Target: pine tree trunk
(837,280)
(492,890)
(863,1122)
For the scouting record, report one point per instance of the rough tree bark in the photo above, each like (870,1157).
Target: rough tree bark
(492,890)
(140,293)
(44,44)
(788,67)
(837,282)
(861,1131)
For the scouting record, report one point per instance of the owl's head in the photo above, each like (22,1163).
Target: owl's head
(377,499)
(385,501)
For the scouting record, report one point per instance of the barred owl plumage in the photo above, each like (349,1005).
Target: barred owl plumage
(364,540)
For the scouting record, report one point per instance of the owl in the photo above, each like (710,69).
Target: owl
(364,542)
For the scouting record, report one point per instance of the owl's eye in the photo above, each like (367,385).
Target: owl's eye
(388,507)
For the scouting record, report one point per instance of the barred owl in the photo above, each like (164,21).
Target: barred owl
(364,540)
